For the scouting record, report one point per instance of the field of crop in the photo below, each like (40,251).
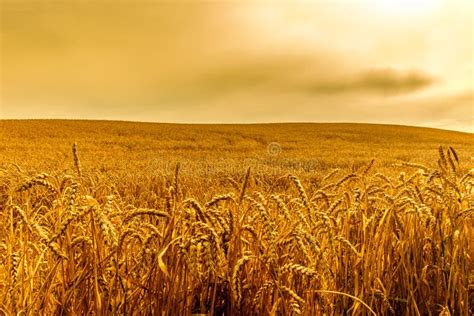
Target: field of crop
(106,218)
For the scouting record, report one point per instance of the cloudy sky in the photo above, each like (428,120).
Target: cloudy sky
(381,61)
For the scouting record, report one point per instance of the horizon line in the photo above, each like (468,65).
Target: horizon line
(233,123)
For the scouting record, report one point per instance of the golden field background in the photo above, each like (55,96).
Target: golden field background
(305,148)
(142,218)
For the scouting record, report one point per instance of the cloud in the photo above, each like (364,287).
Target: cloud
(316,74)
(386,81)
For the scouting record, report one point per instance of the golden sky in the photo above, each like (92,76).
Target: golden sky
(380,61)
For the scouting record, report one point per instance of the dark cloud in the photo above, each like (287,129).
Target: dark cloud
(378,81)
(308,74)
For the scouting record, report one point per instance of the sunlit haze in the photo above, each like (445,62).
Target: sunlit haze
(375,61)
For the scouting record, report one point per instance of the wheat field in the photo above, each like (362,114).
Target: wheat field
(120,218)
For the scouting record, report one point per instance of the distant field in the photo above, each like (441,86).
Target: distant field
(210,149)
(109,218)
